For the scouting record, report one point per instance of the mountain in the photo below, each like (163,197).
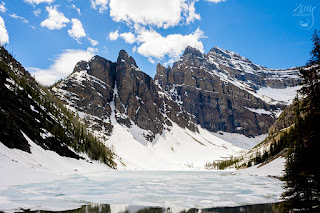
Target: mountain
(227,92)
(31,119)
(115,113)
(145,127)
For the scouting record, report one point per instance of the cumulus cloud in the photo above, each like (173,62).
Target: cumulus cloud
(154,45)
(190,12)
(101,5)
(156,14)
(15,16)
(3,9)
(37,12)
(4,37)
(38,1)
(114,35)
(56,20)
(63,65)
(128,37)
(77,30)
(163,14)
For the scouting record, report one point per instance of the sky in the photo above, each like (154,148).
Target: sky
(48,37)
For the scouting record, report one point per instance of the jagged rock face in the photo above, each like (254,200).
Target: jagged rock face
(108,92)
(218,88)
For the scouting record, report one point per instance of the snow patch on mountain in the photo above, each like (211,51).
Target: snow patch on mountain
(240,140)
(274,95)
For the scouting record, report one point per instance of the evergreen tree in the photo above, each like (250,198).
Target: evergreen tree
(303,167)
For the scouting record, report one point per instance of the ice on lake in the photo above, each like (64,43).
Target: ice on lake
(179,189)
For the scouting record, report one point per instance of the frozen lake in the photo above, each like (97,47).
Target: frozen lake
(174,189)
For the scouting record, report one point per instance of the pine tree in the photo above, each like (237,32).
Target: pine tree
(303,167)
(311,77)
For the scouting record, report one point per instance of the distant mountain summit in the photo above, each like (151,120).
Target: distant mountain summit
(220,90)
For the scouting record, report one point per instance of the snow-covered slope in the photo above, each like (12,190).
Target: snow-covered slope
(20,167)
(274,168)
(173,150)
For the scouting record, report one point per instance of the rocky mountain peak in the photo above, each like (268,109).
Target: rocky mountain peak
(220,52)
(125,58)
(192,51)
(161,70)
(231,58)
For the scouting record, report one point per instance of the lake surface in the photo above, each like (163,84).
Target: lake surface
(175,190)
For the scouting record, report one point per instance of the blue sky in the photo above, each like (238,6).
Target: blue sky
(49,36)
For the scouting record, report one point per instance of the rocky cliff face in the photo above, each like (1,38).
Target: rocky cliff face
(24,110)
(105,92)
(219,89)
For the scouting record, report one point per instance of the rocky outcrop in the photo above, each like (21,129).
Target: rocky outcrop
(218,88)
(105,92)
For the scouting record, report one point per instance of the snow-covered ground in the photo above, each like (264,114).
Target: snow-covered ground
(18,167)
(275,169)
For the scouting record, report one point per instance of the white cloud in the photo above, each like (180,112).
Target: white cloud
(15,16)
(164,13)
(63,65)
(154,45)
(77,9)
(128,37)
(3,9)
(4,37)
(114,35)
(151,60)
(56,20)
(77,30)
(99,4)
(38,1)
(216,1)
(190,12)
(37,12)
(93,42)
